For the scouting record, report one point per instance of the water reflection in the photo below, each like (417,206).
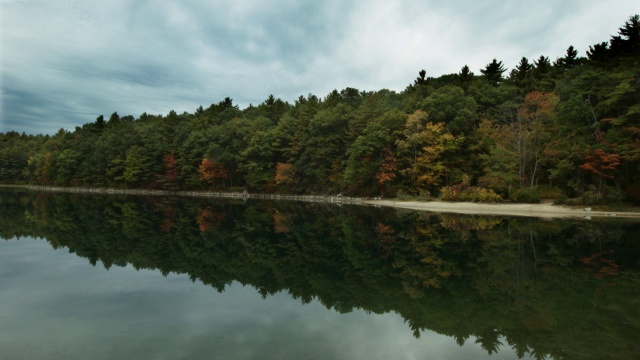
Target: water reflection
(536,288)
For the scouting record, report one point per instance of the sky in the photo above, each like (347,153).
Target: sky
(65,62)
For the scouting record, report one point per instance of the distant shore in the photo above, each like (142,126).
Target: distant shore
(542,210)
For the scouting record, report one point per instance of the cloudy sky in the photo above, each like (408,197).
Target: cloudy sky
(64,62)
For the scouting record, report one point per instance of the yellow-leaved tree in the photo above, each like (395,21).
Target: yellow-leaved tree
(424,148)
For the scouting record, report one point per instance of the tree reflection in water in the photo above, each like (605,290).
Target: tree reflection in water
(561,289)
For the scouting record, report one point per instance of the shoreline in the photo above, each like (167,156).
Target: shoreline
(337,199)
(541,210)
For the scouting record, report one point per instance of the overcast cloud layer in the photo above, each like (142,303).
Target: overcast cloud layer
(63,63)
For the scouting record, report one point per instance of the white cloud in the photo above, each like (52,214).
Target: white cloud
(80,59)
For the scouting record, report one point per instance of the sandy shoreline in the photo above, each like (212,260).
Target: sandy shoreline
(531,210)
(542,210)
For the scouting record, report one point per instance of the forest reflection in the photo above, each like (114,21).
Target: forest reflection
(555,289)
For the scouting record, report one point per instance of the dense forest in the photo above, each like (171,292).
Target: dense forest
(568,129)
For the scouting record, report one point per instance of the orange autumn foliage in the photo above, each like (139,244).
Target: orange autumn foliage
(210,171)
(284,174)
(208,218)
(601,163)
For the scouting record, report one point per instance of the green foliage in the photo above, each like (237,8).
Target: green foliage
(589,197)
(550,192)
(364,160)
(633,192)
(561,200)
(403,196)
(572,124)
(451,106)
(14,157)
(493,72)
(594,196)
(525,195)
(461,192)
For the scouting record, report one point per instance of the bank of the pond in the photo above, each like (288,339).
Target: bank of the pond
(244,195)
(545,210)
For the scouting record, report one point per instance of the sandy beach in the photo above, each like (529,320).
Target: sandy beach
(546,210)
(541,210)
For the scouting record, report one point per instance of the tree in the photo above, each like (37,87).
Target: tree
(421,80)
(136,167)
(41,165)
(519,145)
(351,97)
(500,170)
(569,60)
(319,164)
(422,150)
(494,102)
(365,155)
(431,165)
(211,171)
(533,132)
(114,119)
(227,103)
(227,142)
(451,106)
(169,178)
(542,65)
(628,40)
(388,168)
(521,75)
(410,144)
(465,77)
(285,175)
(14,157)
(258,160)
(598,52)
(273,108)
(603,164)
(100,122)
(67,163)
(493,72)
(422,86)
(542,75)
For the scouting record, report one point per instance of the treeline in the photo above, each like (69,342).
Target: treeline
(569,128)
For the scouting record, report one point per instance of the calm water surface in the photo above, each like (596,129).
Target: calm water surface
(159,278)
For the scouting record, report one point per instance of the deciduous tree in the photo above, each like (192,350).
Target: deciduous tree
(211,171)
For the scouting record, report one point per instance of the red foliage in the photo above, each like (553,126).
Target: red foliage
(601,266)
(601,162)
(388,167)
(210,171)
(537,105)
(387,240)
(167,223)
(208,218)
(169,178)
(171,168)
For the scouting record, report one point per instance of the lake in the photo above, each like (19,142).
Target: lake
(103,277)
